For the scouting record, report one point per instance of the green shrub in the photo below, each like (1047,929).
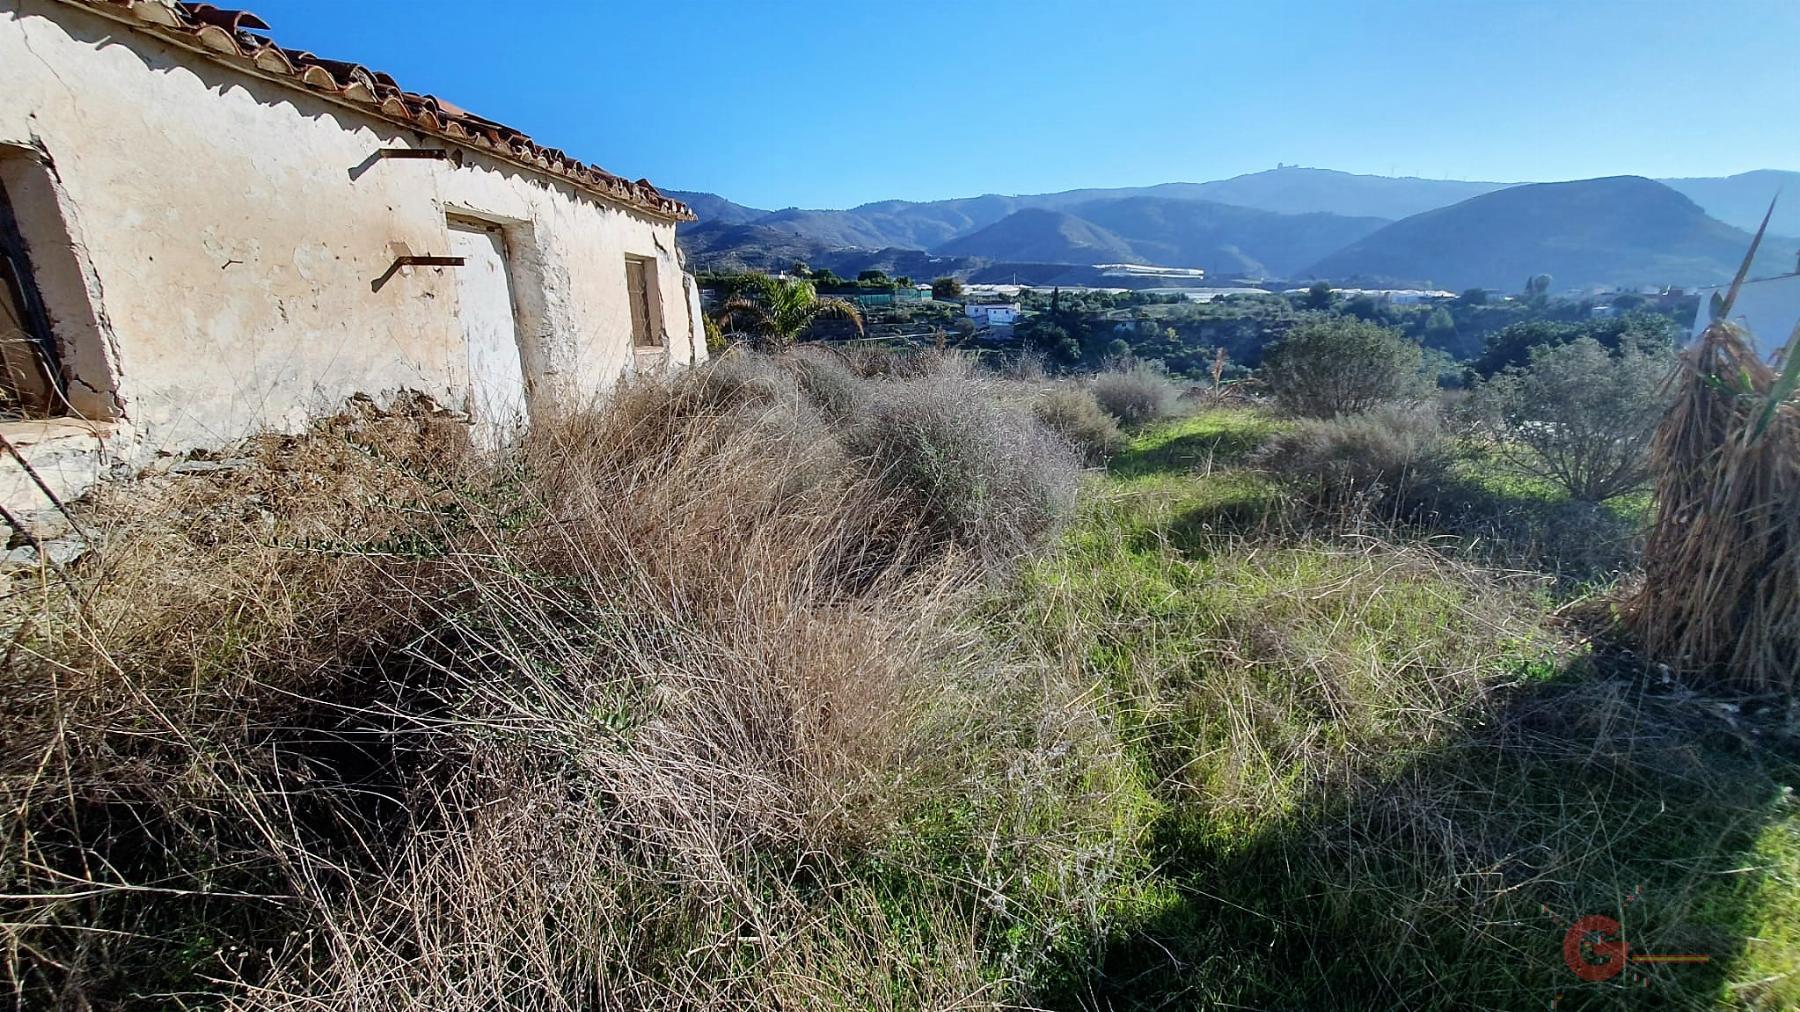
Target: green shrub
(1512,345)
(1343,366)
(1137,394)
(1078,417)
(968,472)
(1579,416)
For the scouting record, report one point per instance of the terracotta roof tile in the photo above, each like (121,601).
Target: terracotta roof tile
(227,35)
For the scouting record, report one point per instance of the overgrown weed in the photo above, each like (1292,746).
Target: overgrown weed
(656,712)
(1386,776)
(798,682)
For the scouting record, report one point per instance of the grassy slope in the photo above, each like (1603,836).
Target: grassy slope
(1197,754)
(1380,780)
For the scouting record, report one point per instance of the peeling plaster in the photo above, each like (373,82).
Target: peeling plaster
(74,297)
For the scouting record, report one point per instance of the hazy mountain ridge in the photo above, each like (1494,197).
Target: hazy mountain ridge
(1224,239)
(1281,222)
(1296,190)
(928,224)
(1741,200)
(1041,235)
(1619,230)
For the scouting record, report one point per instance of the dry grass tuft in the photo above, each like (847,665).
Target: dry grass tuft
(1379,458)
(619,722)
(1077,416)
(1136,393)
(972,474)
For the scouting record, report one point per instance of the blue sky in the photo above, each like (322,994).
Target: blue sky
(773,103)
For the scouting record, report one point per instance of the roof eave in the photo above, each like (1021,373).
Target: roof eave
(364,93)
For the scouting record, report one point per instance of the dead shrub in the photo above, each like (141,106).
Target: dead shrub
(1721,590)
(210,682)
(828,381)
(910,363)
(738,376)
(1386,456)
(981,478)
(1074,414)
(584,727)
(1027,366)
(1136,394)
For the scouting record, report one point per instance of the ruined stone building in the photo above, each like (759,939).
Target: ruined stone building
(206,234)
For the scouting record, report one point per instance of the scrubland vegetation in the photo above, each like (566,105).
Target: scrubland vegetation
(1473,335)
(835,680)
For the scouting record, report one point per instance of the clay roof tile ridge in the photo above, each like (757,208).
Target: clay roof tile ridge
(228,33)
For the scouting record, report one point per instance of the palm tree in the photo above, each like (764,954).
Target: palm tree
(779,311)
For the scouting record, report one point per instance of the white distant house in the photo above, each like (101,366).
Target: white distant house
(1769,308)
(924,292)
(994,315)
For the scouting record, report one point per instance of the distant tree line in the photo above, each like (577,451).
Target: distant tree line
(823,280)
(1474,335)
(1461,340)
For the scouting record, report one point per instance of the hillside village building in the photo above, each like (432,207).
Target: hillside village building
(207,234)
(993,314)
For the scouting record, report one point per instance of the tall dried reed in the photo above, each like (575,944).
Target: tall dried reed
(1721,589)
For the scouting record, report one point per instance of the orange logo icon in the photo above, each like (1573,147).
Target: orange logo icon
(1594,948)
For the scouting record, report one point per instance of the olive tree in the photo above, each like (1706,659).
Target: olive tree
(946,288)
(1579,415)
(1340,365)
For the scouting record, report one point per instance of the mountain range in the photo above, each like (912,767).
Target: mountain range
(1224,238)
(1618,231)
(1293,223)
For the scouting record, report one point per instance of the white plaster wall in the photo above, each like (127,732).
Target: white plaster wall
(1769,309)
(232,249)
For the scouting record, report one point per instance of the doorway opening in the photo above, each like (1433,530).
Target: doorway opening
(30,374)
(646,307)
(497,392)
(54,357)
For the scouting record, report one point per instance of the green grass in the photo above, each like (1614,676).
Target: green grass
(1506,482)
(1199,442)
(1207,751)
(1768,889)
(1374,778)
